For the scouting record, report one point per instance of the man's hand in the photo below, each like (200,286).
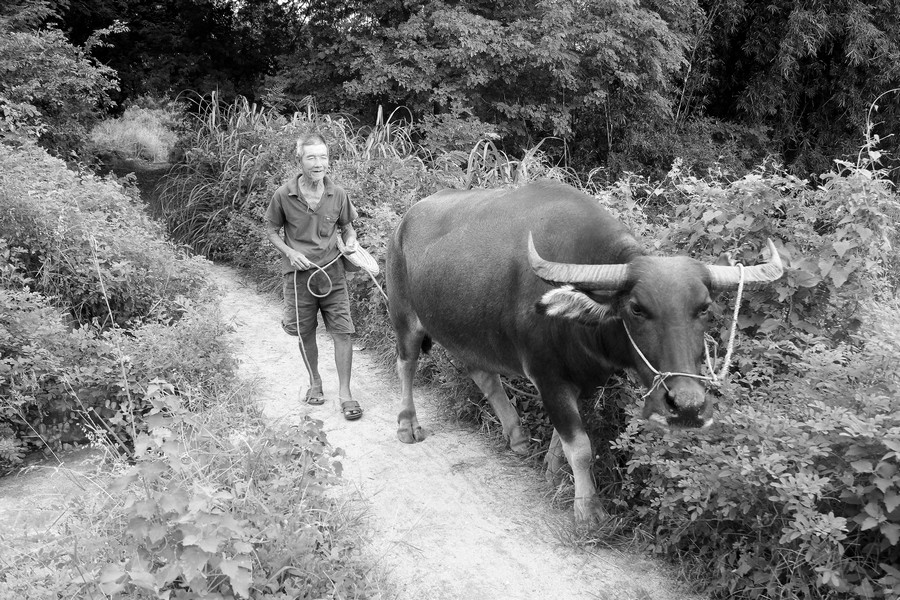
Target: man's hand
(298,260)
(350,246)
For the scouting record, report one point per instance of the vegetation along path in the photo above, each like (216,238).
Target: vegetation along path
(451,518)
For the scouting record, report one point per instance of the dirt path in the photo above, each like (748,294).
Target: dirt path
(450,518)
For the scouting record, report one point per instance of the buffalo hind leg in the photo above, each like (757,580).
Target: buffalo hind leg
(555,457)
(492,388)
(410,342)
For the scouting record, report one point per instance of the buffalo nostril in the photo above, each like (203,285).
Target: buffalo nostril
(670,402)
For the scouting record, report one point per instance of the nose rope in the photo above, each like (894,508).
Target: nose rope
(659,377)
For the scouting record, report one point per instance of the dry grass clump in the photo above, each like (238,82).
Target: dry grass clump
(140,133)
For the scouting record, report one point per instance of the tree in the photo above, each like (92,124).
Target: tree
(534,70)
(50,90)
(805,69)
(172,46)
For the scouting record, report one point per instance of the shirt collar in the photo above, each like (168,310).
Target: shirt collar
(293,184)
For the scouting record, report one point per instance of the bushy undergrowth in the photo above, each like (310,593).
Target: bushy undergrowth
(145,132)
(88,244)
(217,503)
(79,256)
(794,493)
(58,384)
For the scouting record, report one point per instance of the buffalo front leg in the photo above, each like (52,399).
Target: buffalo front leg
(561,402)
(492,388)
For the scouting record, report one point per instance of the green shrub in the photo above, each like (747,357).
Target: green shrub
(837,242)
(774,504)
(215,503)
(795,494)
(44,366)
(88,245)
(57,383)
(50,90)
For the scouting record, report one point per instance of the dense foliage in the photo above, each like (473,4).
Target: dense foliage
(215,503)
(629,85)
(82,264)
(795,493)
(805,70)
(49,89)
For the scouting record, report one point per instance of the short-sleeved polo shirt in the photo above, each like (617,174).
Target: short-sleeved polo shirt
(312,231)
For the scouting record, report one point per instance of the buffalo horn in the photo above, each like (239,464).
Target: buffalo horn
(728,278)
(594,277)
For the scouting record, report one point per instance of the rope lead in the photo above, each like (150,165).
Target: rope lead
(659,378)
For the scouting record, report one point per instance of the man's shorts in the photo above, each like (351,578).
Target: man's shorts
(335,306)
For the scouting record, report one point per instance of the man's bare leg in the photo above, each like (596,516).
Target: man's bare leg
(311,356)
(343,360)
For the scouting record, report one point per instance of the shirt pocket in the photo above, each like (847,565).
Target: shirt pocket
(327,224)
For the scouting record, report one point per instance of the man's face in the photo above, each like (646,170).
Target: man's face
(314,161)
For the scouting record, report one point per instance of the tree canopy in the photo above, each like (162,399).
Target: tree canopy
(625,83)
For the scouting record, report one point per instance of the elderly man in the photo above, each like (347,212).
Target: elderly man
(313,211)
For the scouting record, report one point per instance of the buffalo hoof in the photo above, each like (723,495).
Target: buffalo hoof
(411,435)
(588,511)
(520,441)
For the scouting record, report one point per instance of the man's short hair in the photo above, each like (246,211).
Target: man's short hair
(309,139)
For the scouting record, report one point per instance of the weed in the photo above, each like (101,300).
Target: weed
(144,133)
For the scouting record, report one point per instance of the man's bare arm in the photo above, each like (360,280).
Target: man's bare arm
(295,257)
(348,234)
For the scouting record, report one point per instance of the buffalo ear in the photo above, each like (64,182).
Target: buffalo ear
(569,303)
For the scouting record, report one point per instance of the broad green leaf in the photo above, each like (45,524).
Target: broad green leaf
(862,466)
(892,532)
(891,500)
(110,580)
(193,561)
(239,573)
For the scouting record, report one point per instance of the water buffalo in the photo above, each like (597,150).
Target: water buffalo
(471,270)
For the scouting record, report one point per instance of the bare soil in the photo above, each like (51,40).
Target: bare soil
(456,517)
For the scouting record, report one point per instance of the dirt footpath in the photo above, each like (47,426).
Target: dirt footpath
(451,518)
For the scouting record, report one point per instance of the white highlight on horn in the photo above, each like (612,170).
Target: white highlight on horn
(568,303)
(726,278)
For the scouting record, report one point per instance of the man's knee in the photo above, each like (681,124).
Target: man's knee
(340,338)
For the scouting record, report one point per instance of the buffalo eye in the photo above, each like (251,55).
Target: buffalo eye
(703,311)
(637,310)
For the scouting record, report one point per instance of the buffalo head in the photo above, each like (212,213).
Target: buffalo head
(663,305)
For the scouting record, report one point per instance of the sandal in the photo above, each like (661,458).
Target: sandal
(351,409)
(315,398)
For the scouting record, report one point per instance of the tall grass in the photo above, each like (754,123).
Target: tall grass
(140,133)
